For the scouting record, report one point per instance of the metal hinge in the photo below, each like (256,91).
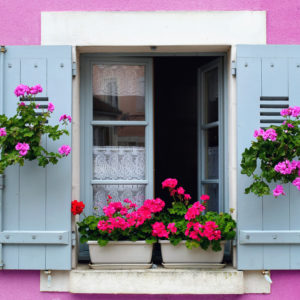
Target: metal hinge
(233,68)
(74,69)
(2,49)
(73,238)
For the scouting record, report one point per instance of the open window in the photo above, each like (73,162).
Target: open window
(146,119)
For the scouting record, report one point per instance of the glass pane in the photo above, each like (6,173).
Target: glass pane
(119,153)
(211,96)
(119,192)
(119,92)
(212,190)
(211,159)
(119,136)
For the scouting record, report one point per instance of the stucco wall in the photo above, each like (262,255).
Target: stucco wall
(20,20)
(20,23)
(24,285)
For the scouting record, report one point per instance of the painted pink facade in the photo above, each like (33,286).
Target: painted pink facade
(20,22)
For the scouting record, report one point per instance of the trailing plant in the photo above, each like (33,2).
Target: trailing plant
(120,222)
(21,134)
(190,222)
(273,156)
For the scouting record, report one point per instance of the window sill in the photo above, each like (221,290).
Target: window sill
(155,281)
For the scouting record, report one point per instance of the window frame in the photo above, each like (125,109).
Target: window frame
(86,62)
(204,126)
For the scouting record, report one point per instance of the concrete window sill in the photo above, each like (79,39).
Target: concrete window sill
(155,281)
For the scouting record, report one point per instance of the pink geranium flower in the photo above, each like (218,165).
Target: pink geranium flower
(64,150)
(51,107)
(22,148)
(2,131)
(172,227)
(65,117)
(21,90)
(278,191)
(170,183)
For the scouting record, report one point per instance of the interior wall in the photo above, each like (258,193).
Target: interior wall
(175,121)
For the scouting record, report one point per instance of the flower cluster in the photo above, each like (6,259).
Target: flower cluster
(23,90)
(270,134)
(3,131)
(209,230)
(171,184)
(77,207)
(119,216)
(65,117)
(64,150)
(194,211)
(159,229)
(291,111)
(278,159)
(22,148)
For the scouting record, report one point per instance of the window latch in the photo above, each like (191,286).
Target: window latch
(233,68)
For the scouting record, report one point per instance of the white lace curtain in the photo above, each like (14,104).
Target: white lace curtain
(118,163)
(118,80)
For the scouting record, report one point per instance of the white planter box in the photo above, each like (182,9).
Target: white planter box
(181,254)
(121,252)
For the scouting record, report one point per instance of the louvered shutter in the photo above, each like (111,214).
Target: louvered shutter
(268,79)
(35,230)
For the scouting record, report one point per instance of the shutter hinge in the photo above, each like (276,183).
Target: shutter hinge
(74,69)
(233,68)
(73,238)
(2,49)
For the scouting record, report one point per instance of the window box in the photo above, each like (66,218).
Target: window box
(181,255)
(120,253)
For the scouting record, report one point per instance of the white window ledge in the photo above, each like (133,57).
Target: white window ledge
(155,281)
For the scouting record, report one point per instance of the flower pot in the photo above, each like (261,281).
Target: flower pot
(180,254)
(121,252)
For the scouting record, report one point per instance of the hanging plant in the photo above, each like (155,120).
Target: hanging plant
(21,134)
(273,157)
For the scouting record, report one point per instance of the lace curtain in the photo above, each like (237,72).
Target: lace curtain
(118,80)
(118,163)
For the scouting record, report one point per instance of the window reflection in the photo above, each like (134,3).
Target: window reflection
(119,92)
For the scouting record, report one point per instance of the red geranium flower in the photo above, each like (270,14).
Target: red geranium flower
(77,207)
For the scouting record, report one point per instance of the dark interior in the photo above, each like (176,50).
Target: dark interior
(175,119)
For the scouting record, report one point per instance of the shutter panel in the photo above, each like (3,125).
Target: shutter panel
(268,79)
(36,218)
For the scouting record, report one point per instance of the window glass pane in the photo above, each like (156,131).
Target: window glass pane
(211,109)
(119,136)
(119,192)
(211,159)
(119,92)
(119,153)
(212,190)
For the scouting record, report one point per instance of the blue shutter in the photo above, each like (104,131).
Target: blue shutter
(268,79)
(35,232)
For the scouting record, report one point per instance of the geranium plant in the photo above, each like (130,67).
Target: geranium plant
(21,134)
(273,156)
(121,222)
(191,222)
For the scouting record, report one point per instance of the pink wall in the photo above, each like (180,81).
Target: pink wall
(24,285)
(20,19)
(20,22)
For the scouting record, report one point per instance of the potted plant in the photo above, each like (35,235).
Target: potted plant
(121,238)
(20,135)
(273,157)
(189,236)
